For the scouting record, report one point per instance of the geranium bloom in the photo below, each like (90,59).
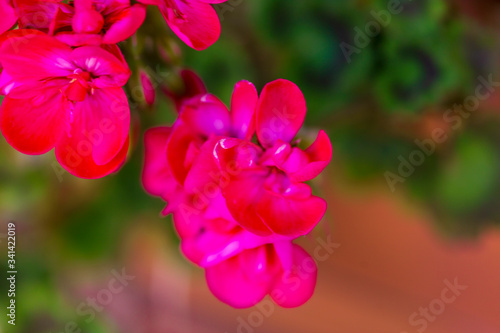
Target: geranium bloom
(85,22)
(196,165)
(66,98)
(8,15)
(267,194)
(195,21)
(241,267)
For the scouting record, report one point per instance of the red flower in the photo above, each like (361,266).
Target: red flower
(194,21)
(66,98)
(267,194)
(241,267)
(207,169)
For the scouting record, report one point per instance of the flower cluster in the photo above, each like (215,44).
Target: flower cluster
(238,203)
(234,180)
(62,74)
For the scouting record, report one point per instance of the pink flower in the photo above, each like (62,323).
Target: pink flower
(195,21)
(8,15)
(85,22)
(66,98)
(241,267)
(195,166)
(267,194)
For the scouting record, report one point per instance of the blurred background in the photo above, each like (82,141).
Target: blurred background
(413,111)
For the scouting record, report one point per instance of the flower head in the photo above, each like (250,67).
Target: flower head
(67,98)
(237,206)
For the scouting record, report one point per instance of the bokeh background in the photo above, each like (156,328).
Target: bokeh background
(394,247)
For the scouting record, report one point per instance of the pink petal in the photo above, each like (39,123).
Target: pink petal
(103,119)
(77,161)
(243,103)
(99,131)
(305,165)
(237,160)
(8,14)
(36,57)
(296,285)
(125,24)
(204,174)
(182,140)
(156,177)
(206,115)
(290,216)
(280,112)
(196,23)
(242,193)
(244,280)
(86,18)
(33,126)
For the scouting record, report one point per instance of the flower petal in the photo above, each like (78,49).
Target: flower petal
(280,112)
(33,125)
(206,115)
(125,24)
(36,57)
(196,23)
(288,215)
(78,161)
(305,165)
(99,131)
(8,14)
(297,285)
(156,177)
(243,103)
(243,281)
